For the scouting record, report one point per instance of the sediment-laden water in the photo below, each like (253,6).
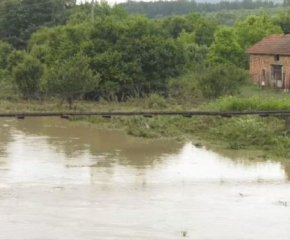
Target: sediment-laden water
(59,180)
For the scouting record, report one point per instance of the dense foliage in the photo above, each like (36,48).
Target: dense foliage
(19,19)
(54,47)
(222,80)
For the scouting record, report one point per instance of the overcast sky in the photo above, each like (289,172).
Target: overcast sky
(109,1)
(117,1)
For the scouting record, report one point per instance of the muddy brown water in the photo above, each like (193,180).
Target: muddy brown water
(59,180)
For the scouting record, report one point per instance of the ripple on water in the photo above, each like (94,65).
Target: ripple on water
(66,181)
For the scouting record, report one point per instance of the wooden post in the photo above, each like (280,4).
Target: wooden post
(21,117)
(65,116)
(287,124)
(148,116)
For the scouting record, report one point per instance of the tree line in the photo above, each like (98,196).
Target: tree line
(120,56)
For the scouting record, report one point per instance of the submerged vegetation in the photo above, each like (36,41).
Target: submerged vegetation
(267,134)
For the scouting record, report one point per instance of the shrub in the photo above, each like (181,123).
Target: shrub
(5,51)
(7,88)
(71,78)
(155,101)
(221,80)
(27,75)
(183,88)
(248,131)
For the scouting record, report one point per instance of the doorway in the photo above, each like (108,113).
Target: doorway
(277,76)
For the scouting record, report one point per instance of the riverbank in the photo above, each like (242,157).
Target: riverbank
(249,98)
(153,102)
(253,133)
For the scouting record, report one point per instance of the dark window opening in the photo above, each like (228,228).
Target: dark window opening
(277,57)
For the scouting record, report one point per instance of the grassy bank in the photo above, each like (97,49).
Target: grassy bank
(251,98)
(153,102)
(251,133)
(267,134)
(247,104)
(56,105)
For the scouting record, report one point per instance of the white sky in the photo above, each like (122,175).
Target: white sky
(112,2)
(109,1)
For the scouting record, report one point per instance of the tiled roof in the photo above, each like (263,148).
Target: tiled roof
(274,45)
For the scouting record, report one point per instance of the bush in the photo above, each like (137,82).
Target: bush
(155,101)
(71,78)
(221,80)
(248,131)
(27,76)
(183,88)
(7,87)
(5,51)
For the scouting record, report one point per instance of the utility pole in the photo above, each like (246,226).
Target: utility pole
(93,10)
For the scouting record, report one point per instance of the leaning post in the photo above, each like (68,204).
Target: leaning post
(287,124)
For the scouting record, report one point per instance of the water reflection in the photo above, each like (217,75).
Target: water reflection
(74,141)
(66,147)
(5,135)
(67,181)
(287,170)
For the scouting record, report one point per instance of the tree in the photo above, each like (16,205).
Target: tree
(5,50)
(19,19)
(254,29)
(27,75)
(131,56)
(6,83)
(283,20)
(71,78)
(221,80)
(226,49)
(204,29)
(196,54)
(134,57)
(175,25)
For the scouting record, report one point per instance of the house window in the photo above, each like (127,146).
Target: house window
(277,57)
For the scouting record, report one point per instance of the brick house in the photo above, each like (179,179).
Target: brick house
(270,62)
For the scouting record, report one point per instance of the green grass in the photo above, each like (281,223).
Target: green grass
(251,98)
(256,91)
(247,104)
(150,103)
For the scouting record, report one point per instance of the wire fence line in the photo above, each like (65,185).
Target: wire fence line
(149,114)
(151,89)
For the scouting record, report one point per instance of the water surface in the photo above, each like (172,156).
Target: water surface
(63,181)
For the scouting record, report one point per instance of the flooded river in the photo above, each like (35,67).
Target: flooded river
(63,181)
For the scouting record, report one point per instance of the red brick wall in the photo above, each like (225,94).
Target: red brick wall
(260,62)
